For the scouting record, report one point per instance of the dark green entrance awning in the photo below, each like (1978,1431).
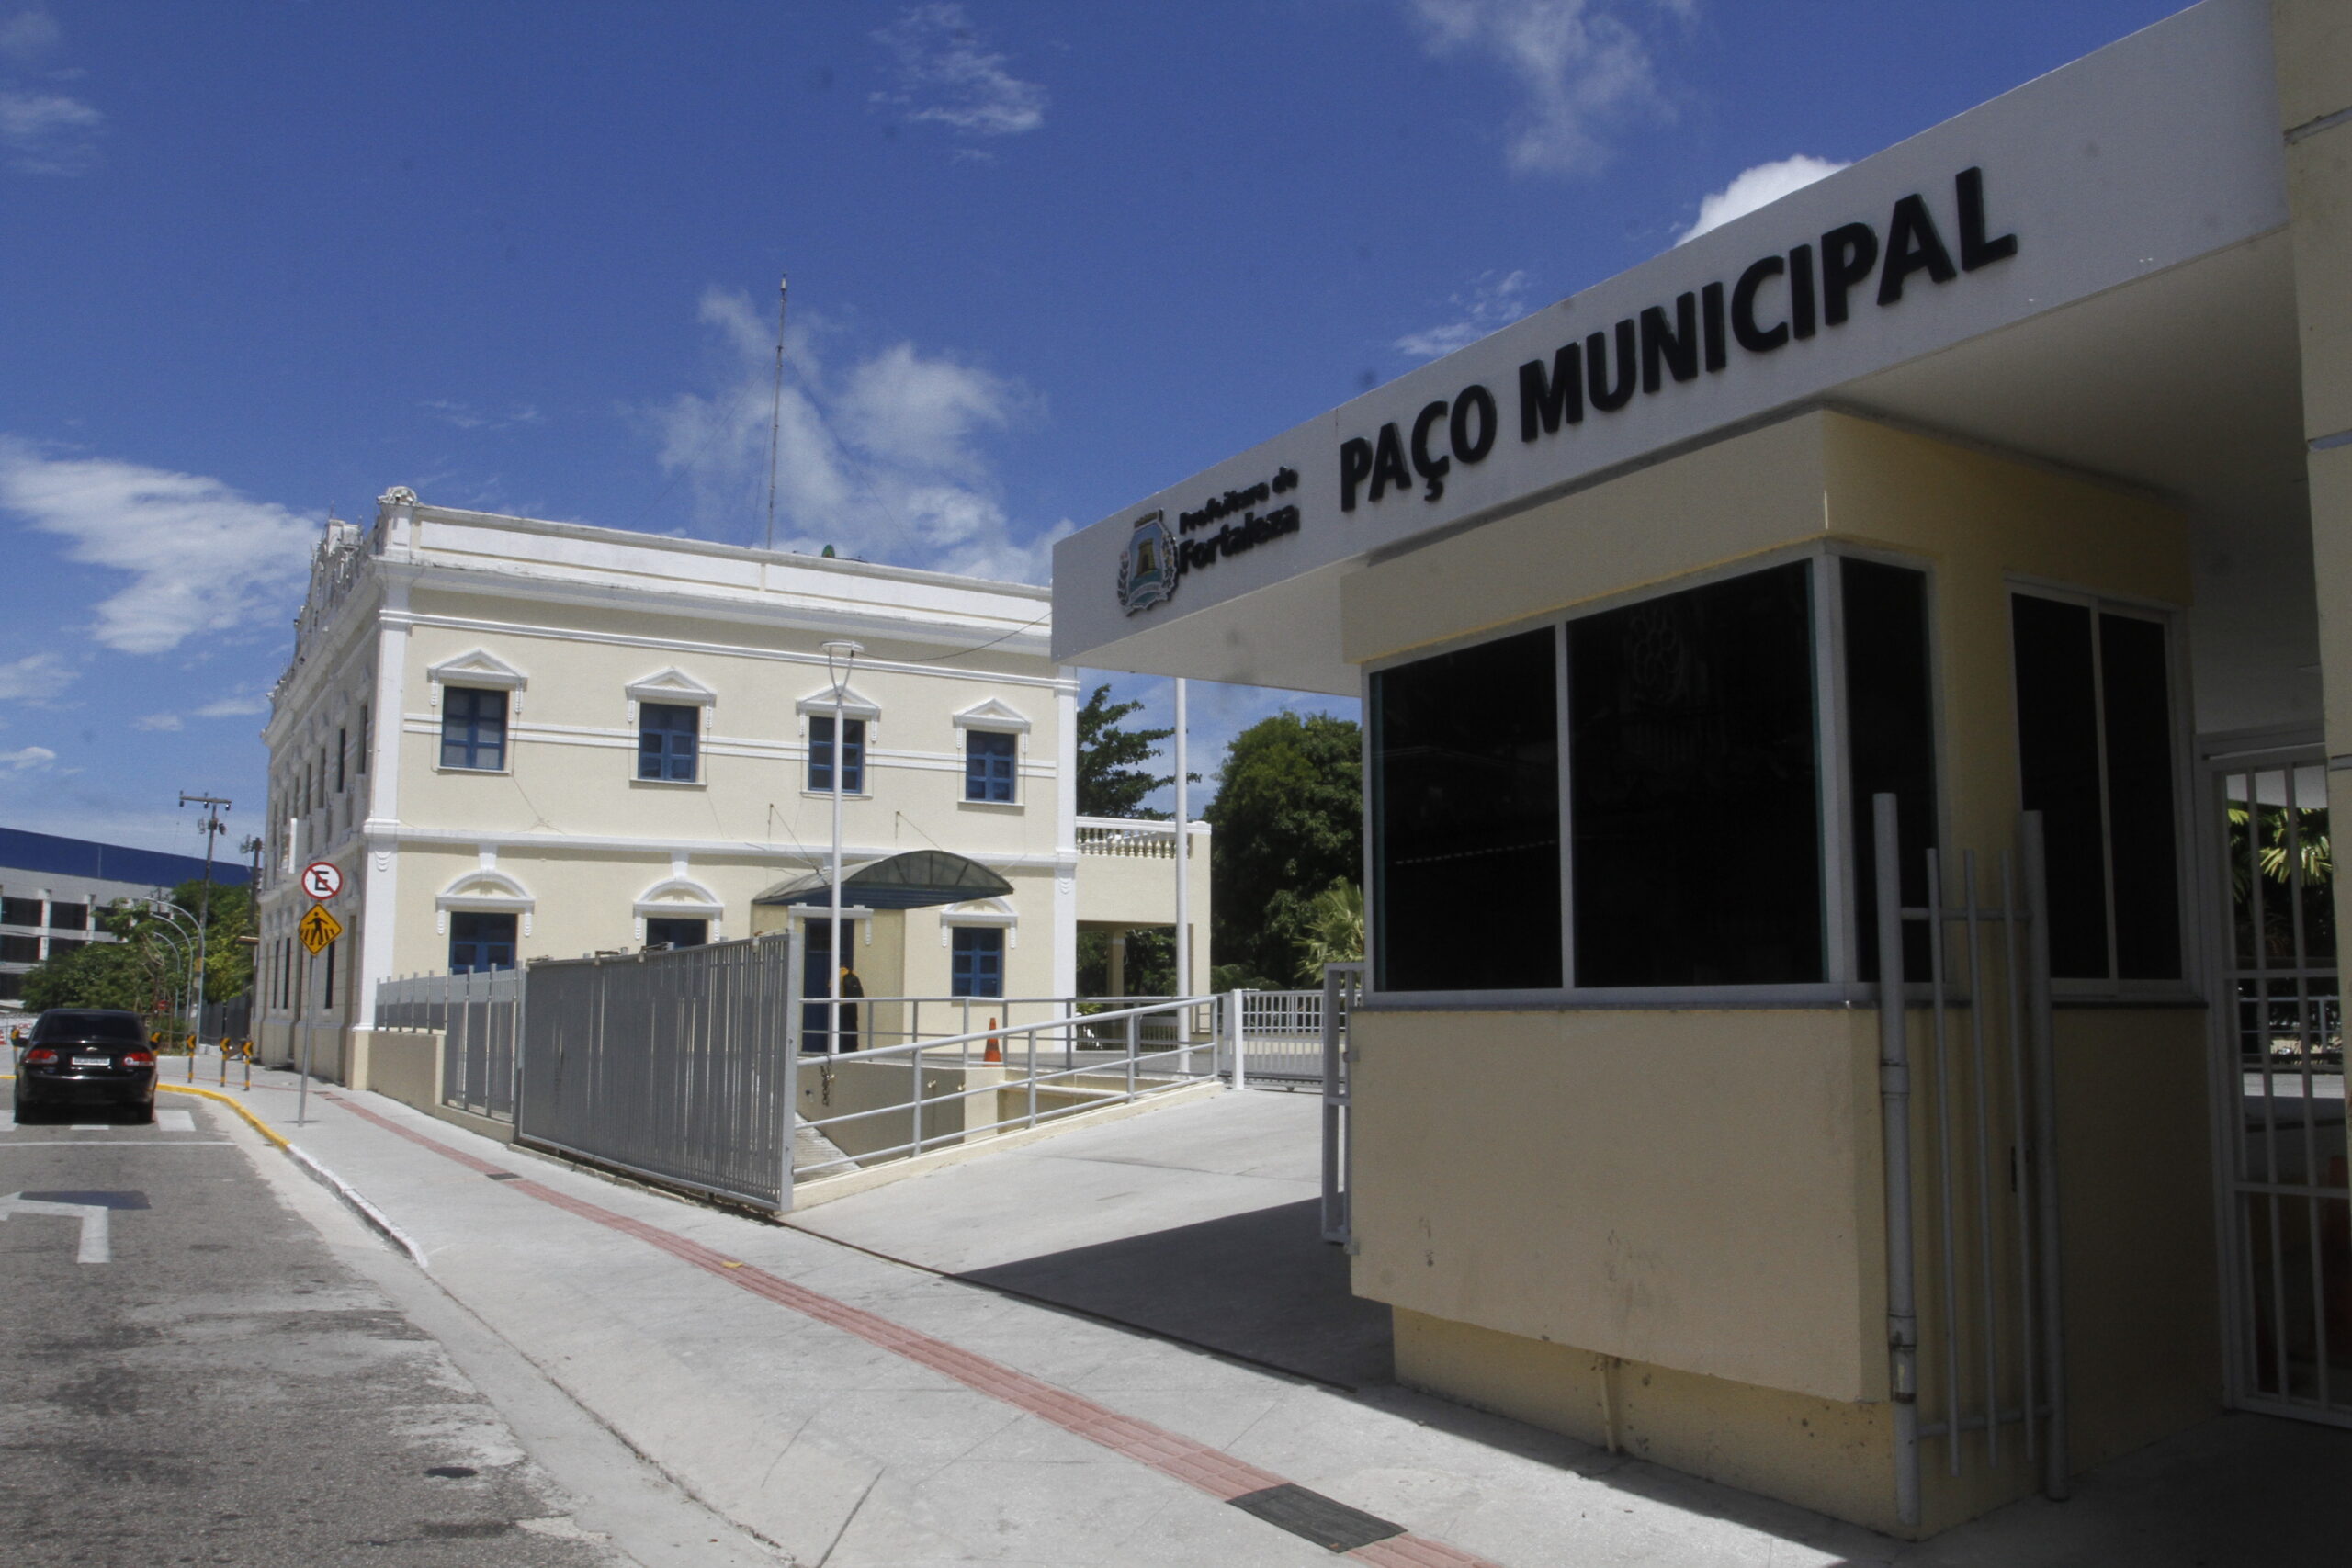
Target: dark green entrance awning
(915,880)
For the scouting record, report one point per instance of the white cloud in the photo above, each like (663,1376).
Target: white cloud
(235,707)
(26,759)
(1759,186)
(35,675)
(946,77)
(48,133)
(466,417)
(1495,301)
(1579,64)
(156,721)
(27,35)
(881,462)
(199,556)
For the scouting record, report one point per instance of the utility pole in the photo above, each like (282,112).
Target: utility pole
(213,828)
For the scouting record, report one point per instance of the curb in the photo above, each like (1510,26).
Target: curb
(376,1219)
(264,1128)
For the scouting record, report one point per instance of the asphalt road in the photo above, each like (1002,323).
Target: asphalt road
(223,1388)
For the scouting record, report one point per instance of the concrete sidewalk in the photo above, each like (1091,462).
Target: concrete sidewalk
(865,1413)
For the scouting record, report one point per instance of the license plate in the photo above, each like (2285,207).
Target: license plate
(94,1061)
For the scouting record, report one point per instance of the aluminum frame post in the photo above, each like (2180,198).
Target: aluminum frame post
(2056,1477)
(1894,1109)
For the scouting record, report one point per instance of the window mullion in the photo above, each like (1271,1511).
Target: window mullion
(2106,802)
(1566,809)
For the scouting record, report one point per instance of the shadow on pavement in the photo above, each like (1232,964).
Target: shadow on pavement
(1262,1286)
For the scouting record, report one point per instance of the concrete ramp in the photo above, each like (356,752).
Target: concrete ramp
(1197,1222)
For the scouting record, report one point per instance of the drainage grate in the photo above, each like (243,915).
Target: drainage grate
(1326,1521)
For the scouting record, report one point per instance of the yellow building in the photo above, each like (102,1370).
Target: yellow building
(1992,476)
(516,739)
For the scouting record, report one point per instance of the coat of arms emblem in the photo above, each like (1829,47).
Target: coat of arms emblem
(1148,567)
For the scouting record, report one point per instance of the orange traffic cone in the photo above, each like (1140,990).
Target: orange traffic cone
(993,1053)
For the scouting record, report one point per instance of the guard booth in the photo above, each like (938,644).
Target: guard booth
(1937,570)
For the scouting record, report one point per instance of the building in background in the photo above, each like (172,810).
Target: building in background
(2007,470)
(52,890)
(521,738)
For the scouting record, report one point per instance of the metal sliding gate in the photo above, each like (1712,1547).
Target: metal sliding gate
(1977,1354)
(676,1065)
(2287,1201)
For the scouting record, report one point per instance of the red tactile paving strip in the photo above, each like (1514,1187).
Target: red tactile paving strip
(1196,1464)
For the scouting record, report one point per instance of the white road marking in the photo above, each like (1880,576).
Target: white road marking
(90,1127)
(175,1121)
(118,1143)
(94,1246)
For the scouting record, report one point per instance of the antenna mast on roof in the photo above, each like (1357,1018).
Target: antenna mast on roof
(776,412)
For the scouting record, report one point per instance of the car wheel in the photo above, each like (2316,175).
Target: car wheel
(28,1113)
(143,1115)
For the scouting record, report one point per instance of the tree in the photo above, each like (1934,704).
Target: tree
(1110,783)
(144,966)
(1289,823)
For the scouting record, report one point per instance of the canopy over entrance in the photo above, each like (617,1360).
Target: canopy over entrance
(916,880)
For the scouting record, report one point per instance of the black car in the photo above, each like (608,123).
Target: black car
(86,1056)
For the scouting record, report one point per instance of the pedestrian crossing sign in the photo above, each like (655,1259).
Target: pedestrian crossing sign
(318,929)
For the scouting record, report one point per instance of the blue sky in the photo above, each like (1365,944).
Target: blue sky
(259,260)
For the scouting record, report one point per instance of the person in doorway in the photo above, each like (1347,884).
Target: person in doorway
(852,986)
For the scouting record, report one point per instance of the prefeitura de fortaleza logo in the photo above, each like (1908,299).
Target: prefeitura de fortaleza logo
(1147,566)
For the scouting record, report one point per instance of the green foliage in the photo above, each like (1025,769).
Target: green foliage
(1150,968)
(1110,781)
(147,969)
(1289,823)
(1237,977)
(1334,931)
(102,975)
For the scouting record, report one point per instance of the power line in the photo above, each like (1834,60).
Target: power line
(776,412)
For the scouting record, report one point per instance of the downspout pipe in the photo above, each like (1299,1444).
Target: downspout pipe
(1894,1109)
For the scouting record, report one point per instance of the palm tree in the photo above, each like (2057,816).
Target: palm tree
(1334,931)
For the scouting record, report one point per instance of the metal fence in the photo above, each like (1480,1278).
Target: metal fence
(901,1100)
(1283,1031)
(475,1015)
(679,1066)
(1969,1118)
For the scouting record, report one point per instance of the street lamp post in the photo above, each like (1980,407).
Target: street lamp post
(847,652)
(213,806)
(1183,848)
(172,915)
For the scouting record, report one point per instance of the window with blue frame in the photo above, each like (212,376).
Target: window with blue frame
(480,941)
(473,728)
(820,755)
(989,759)
(666,734)
(978,967)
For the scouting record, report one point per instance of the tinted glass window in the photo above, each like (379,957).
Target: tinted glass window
(988,760)
(112,1027)
(473,728)
(1696,797)
(19,912)
(2058,764)
(1891,741)
(19,950)
(1466,819)
(2095,757)
(2143,841)
(820,755)
(69,917)
(665,741)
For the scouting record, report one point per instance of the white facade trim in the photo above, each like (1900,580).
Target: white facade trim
(992,715)
(853,704)
(477,667)
(672,685)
